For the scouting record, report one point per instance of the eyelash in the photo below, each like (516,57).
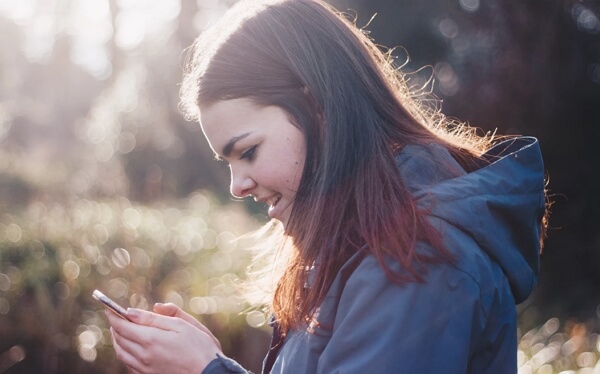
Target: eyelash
(249,153)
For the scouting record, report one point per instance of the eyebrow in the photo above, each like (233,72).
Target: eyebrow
(231,143)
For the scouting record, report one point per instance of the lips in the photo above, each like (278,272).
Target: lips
(271,202)
(277,198)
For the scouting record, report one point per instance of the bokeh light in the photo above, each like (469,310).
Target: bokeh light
(469,5)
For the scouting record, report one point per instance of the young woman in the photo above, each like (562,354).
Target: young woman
(408,239)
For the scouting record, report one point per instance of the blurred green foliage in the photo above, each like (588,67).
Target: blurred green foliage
(53,255)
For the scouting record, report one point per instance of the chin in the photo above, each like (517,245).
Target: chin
(283,216)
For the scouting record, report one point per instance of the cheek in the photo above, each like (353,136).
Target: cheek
(296,168)
(287,161)
(285,172)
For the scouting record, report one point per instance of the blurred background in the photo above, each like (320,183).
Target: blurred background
(104,185)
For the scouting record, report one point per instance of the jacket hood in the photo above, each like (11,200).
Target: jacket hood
(500,205)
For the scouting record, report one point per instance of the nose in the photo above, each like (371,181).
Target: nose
(241,184)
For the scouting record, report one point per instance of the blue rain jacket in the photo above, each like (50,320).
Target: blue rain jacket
(462,319)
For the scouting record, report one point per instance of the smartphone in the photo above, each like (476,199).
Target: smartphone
(119,310)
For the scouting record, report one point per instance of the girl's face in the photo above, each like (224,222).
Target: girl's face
(265,151)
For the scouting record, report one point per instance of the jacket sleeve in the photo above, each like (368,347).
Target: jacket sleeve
(381,327)
(224,365)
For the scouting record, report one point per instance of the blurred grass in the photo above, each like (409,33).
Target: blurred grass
(53,255)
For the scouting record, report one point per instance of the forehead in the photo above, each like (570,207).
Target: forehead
(226,114)
(242,113)
(224,119)
(227,120)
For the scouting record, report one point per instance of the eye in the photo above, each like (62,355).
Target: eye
(249,153)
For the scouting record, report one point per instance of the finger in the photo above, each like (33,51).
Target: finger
(146,318)
(167,309)
(119,324)
(114,320)
(131,339)
(123,354)
(133,371)
(173,310)
(148,329)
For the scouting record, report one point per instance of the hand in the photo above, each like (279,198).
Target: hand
(173,310)
(168,341)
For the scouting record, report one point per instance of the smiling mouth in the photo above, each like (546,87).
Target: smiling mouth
(271,202)
(272,205)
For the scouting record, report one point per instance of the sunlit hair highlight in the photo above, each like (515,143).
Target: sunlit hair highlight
(357,113)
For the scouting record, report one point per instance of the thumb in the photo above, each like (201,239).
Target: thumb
(172,310)
(167,309)
(146,318)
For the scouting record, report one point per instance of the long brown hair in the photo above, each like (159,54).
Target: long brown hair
(356,112)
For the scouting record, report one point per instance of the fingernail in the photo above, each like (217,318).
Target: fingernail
(133,313)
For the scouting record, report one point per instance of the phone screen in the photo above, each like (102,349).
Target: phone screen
(119,310)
